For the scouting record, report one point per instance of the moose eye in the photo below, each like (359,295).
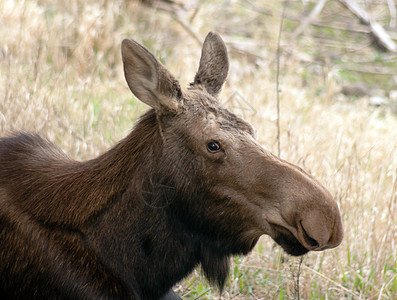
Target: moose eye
(213,146)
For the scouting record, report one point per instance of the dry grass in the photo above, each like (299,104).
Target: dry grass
(61,76)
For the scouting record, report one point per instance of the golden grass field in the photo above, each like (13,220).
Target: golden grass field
(61,76)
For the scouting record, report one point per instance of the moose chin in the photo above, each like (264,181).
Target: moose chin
(189,186)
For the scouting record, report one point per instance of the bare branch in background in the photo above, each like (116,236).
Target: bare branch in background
(278,77)
(312,16)
(297,295)
(378,32)
(195,12)
(186,25)
(392,10)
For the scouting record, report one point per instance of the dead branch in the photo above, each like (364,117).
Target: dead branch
(233,49)
(185,25)
(278,77)
(392,10)
(312,16)
(166,5)
(176,14)
(195,12)
(378,32)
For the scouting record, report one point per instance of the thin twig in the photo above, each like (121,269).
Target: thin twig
(298,274)
(278,77)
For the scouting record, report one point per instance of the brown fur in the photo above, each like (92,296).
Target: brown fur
(137,219)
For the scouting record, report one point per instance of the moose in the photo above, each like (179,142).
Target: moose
(189,186)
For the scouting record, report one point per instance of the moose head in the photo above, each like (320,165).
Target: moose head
(230,188)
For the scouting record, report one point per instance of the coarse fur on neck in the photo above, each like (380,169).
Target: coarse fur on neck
(167,244)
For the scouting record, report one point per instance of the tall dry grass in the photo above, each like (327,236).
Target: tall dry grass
(61,76)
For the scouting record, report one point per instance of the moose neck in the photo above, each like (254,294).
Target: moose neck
(152,247)
(142,245)
(139,234)
(126,162)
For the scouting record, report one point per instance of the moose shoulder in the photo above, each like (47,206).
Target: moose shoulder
(188,186)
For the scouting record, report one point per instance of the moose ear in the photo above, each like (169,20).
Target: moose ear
(214,64)
(148,79)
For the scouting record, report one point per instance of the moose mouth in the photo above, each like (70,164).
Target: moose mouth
(290,243)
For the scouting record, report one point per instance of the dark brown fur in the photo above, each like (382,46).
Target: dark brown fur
(137,219)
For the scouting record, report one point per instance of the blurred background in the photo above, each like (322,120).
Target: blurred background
(336,65)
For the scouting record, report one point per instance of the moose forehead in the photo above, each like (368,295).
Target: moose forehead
(201,105)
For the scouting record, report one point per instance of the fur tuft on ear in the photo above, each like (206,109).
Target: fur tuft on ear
(148,79)
(214,64)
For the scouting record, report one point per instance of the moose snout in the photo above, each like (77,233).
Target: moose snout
(301,213)
(320,229)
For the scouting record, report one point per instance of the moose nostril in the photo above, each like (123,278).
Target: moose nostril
(315,229)
(308,239)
